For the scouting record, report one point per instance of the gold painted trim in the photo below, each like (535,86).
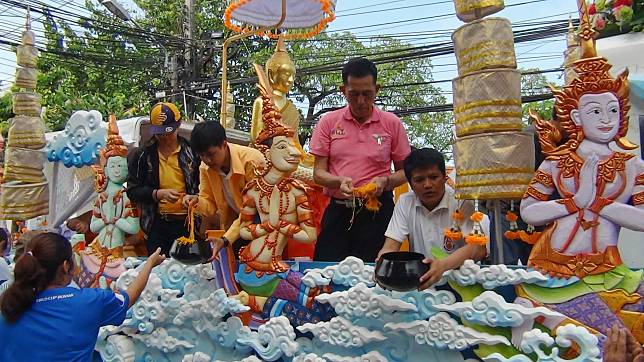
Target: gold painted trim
(485,171)
(465,131)
(489,195)
(20,168)
(30,204)
(463,6)
(492,114)
(484,44)
(465,70)
(492,102)
(517,181)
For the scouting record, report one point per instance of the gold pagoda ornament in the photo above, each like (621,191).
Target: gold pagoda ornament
(24,193)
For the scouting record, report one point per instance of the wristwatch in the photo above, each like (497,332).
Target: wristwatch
(226,242)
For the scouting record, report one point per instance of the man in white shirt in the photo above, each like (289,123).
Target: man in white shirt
(421,215)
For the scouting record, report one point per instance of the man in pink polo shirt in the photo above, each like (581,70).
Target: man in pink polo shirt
(353,146)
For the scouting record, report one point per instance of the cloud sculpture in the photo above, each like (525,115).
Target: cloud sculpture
(309,357)
(202,312)
(196,357)
(79,143)
(272,340)
(363,302)
(159,338)
(341,332)
(535,341)
(493,276)
(373,356)
(443,332)
(489,308)
(425,301)
(348,272)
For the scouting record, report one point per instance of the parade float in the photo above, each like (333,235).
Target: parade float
(264,307)
(556,309)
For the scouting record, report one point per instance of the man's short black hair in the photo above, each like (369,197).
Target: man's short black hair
(207,134)
(423,158)
(359,68)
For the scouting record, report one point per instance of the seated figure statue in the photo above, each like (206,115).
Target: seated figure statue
(113,216)
(584,192)
(280,75)
(284,213)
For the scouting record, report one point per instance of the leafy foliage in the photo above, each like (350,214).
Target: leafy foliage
(532,84)
(108,65)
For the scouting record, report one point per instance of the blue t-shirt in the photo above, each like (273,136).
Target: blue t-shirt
(61,325)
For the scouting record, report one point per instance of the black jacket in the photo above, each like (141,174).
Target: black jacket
(143,179)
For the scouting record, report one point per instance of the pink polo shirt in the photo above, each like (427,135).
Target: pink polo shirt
(360,151)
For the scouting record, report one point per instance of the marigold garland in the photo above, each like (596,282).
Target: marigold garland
(476,239)
(453,234)
(477,216)
(191,226)
(367,193)
(511,216)
(457,215)
(476,236)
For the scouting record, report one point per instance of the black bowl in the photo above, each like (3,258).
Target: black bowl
(192,254)
(400,270)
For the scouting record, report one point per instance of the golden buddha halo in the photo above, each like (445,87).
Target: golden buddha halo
(592,78)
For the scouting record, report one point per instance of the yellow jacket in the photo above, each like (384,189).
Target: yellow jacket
(212,198)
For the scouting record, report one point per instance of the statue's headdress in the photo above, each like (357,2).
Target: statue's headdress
(114,147)
(271,117)
(592,78)
(280,56)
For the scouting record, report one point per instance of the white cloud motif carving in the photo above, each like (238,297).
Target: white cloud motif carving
(363,302)
(341,332)
(443,332)
(492,276)
(348,272)
(492,310)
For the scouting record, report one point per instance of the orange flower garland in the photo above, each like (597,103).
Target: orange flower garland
(454,233)
(191,226)
(512,218)
(368,194)
(476,237)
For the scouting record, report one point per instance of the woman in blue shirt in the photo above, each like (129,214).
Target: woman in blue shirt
(44,319)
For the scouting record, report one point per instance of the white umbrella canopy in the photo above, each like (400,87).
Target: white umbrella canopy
(296,18)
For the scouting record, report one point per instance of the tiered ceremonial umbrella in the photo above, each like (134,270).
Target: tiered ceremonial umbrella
(295,19)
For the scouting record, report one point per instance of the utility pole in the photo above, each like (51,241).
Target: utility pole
(174,77)
(190,56)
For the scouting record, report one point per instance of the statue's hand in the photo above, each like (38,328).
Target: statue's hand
(587,182)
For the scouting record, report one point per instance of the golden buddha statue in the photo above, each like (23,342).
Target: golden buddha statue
(280,72)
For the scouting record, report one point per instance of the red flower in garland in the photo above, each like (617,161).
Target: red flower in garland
(619,3)
(592,9)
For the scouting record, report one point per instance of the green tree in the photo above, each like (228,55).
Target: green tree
(404,84)
(533,83)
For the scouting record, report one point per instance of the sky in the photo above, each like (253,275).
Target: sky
(363,18)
